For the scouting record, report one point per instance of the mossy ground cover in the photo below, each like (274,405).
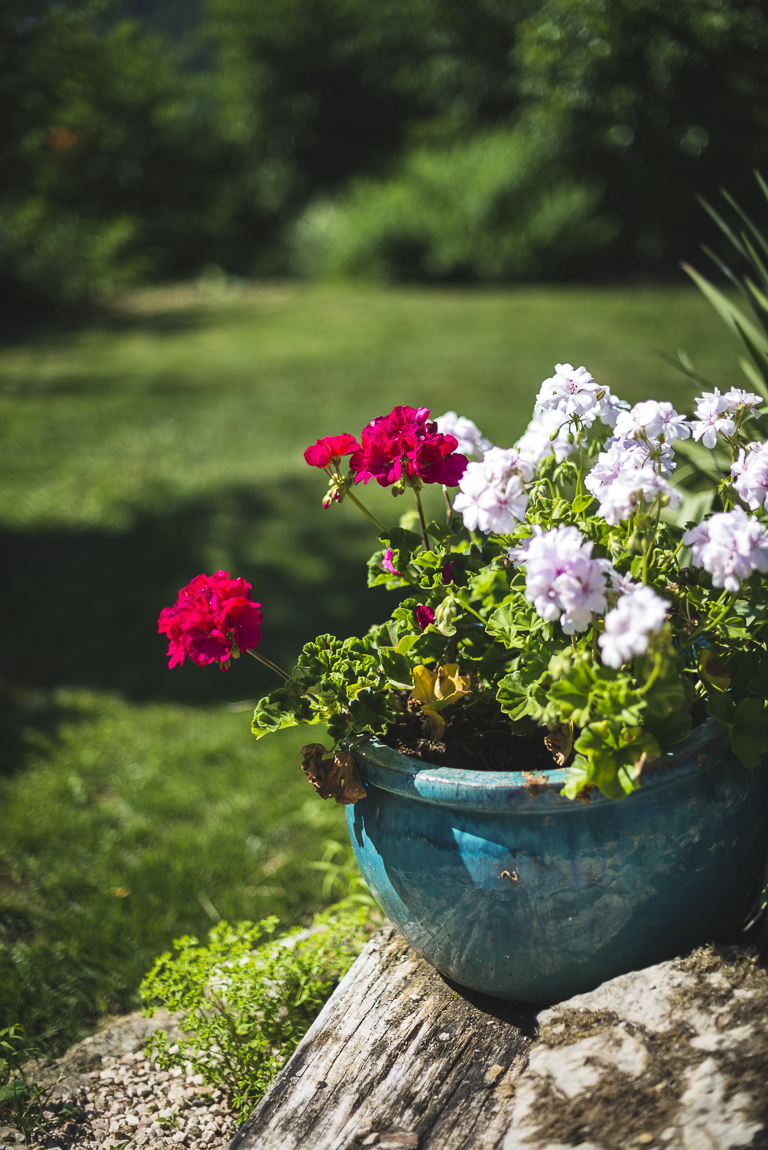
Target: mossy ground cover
(163,439)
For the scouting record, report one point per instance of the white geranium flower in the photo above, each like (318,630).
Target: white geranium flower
(500,462)
(491,493)
(652,419)
(730,545)
(625,475)
(751,472)
(573,392)
(537,443)
(639,614)
(470,440)
(738,398)
(713,418)
(623,497)
(562,580)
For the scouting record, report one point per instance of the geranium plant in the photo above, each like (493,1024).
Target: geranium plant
(572,586)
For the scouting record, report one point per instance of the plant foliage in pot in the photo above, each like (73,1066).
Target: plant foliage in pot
(551,752)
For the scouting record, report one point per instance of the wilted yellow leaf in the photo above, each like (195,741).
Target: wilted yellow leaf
(451,686)
(424,685)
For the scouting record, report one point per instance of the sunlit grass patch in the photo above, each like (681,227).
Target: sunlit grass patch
(131,825)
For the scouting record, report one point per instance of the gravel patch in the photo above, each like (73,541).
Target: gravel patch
(127,1100)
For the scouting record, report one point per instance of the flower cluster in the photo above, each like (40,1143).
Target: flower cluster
(562,580)
(626,474)
(406,446)
(652,420)
(491,493)
(718,414)
(211,616)
(730,545)
(546,434)
(638,615)
(573,393)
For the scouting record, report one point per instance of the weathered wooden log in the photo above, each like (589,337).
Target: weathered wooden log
(674,1056)
(398,1057)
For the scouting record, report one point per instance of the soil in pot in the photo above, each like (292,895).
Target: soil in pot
(479,739)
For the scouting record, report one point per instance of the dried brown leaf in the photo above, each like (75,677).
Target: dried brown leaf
(334,776)
(559,742)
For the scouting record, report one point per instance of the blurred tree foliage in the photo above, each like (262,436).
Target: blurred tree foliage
(110,168)
(657,100)
(153,137)
(315,92)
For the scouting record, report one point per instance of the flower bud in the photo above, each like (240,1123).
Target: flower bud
(445,614)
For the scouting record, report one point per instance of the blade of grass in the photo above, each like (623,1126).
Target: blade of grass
(723,267)
(752,227)
(733,316)
(725,228)
(762,183)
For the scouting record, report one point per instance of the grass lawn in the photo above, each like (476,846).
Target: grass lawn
(166,439)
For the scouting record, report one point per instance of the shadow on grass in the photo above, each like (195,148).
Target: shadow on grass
(183,309)
(82,606)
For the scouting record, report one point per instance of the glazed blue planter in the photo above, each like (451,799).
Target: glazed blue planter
(521,893)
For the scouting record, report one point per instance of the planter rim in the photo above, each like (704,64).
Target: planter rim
(502,791)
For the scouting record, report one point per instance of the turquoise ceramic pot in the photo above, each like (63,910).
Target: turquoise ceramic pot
(521,893)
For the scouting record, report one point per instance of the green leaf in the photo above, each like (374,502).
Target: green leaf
(747,724)
(502,624)
(581,503)
(14,1091)
(577,777)
(440,532)
(396,667)
(399,539)
(615,755)
(669,729)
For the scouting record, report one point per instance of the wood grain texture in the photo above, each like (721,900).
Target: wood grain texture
(397,1050)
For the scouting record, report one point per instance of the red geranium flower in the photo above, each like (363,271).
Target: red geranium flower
(330,449)
(404,444)
(210,615)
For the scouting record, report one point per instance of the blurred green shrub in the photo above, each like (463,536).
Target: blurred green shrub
(56,253)
(498,206)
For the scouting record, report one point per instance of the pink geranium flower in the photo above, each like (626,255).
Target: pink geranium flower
(424,616)
(387,563)
(211,614)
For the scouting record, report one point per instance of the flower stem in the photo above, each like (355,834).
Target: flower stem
(448,505)
(422,521)
(651,542)
(711,624)
(268,663)
(365,511)
(651,678)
